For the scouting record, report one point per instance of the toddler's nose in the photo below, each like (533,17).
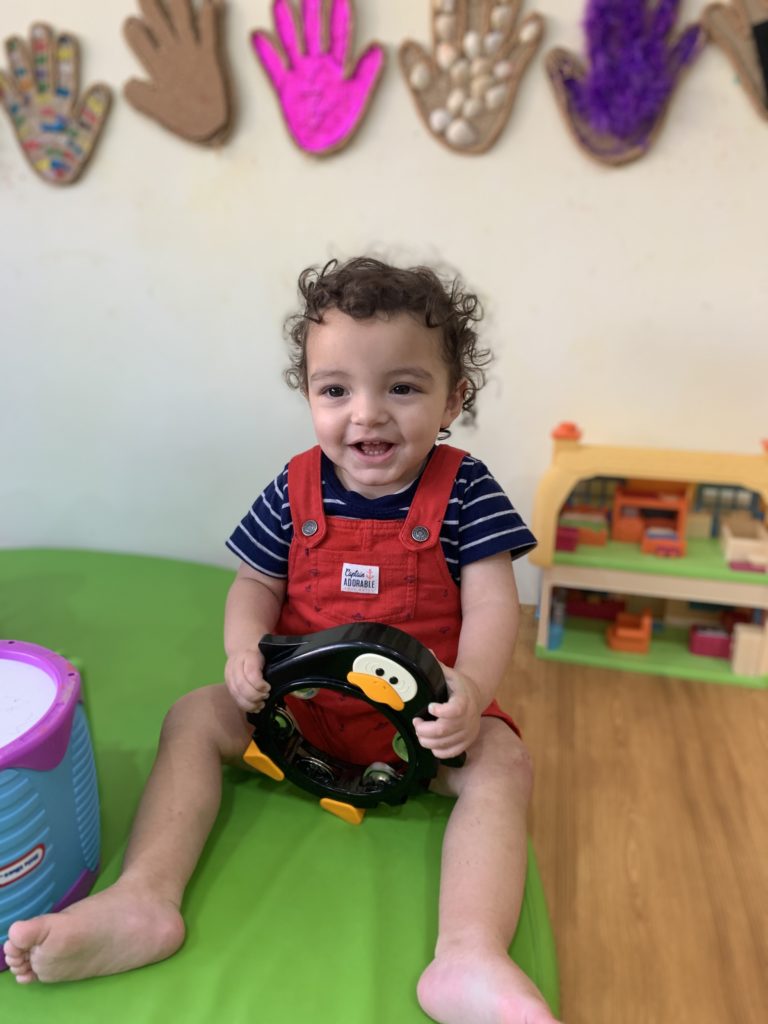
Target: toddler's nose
(368,410)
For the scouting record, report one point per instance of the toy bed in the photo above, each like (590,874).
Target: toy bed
(293,916)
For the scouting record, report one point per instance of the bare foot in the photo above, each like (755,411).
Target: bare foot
(471,986)
(114,930)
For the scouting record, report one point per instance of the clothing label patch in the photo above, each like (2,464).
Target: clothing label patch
(359,579)
(19,868)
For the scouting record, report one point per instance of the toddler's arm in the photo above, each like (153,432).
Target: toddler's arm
(253,607)
(490,615)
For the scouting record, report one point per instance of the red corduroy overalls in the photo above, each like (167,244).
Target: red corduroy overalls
(369,570)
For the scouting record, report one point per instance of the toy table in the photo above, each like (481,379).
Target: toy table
(293,916)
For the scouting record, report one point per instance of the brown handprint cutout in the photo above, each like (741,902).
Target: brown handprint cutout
(465,89)
(741,30)
(57,133)
(188,92)
(614,105)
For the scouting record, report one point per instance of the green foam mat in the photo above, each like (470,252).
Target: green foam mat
(292,915)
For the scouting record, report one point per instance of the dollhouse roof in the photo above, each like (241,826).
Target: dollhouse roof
(573,462)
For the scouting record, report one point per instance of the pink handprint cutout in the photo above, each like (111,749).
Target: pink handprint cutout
(323,99)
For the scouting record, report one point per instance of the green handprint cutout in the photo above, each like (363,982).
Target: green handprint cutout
(57,133)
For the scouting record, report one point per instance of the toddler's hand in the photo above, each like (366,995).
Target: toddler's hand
(244,680)
(457,721)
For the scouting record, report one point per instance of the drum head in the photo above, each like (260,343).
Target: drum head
(26,694)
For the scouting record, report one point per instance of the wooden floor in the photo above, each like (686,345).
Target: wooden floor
(650,822)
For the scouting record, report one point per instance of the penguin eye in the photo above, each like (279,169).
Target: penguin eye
(395,674)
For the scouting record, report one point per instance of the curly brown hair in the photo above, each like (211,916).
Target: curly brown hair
(364,287)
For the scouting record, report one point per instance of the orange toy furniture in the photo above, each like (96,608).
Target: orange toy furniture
(630,633)
(633,509)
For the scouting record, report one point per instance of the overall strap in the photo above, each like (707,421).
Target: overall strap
(305,493)
(422,526)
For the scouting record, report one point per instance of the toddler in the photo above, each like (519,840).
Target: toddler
(387,359)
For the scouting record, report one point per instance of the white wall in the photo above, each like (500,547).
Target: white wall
(142,406)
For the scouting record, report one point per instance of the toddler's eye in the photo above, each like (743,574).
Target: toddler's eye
(403,389)
(333,391)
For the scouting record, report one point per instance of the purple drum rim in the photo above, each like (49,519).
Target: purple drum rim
(76,892)
(44,745)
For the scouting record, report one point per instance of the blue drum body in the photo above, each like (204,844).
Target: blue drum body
(49,806)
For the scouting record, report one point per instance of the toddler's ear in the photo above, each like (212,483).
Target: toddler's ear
(454,404)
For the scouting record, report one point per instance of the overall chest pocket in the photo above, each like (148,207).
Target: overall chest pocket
(382,590)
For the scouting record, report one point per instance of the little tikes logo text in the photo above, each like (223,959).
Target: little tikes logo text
(359,579)
(22,865)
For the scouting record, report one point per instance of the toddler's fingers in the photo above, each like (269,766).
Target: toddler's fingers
(429,733)
(454,707)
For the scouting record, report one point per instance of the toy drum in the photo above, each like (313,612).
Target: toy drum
(49,807)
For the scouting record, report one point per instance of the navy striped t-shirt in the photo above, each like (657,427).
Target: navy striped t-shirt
(479,522)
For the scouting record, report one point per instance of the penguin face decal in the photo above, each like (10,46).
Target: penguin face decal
(383,680)
(339,717)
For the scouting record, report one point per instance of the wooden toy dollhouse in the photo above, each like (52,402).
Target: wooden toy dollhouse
(654,560)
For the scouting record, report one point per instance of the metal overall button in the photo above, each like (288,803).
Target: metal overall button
(309,527)
(420,534)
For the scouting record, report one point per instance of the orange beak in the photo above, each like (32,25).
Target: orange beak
(376,689)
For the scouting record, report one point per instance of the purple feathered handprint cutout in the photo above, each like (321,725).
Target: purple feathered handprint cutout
(616,105)
(323,98)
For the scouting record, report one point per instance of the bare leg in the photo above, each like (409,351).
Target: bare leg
(472,979)
(137,920)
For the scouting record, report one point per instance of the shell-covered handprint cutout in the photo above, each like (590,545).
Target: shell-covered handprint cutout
(741,31)
(322,93)
(180,47)
(57,131)
(615,105)
(465,89)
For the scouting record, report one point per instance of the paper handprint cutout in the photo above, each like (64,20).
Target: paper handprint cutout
(56,132)
(615,105)
(465,89)
(180,47)
(741,30)
(323,98)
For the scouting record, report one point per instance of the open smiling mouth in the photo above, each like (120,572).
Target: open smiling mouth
(372,449)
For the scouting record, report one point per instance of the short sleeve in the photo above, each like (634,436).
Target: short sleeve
(263,537)
(487,521)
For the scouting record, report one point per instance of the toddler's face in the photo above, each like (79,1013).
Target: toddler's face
(378,392)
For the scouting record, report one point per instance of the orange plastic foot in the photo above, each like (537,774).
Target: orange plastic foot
(256,759)
(348,813)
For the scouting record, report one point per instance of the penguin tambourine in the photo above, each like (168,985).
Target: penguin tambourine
(322,683)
